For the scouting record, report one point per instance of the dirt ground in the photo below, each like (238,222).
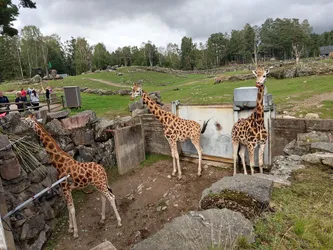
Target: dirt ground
(147,198)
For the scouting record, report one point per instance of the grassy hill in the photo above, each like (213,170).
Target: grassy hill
(294,95)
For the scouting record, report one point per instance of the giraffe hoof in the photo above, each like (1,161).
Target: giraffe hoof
(199,174)
(76,236)
(119,224)
(70,230)
(173,174)
(179,178)
(101,221)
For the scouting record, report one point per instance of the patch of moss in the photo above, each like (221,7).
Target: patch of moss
(236,201)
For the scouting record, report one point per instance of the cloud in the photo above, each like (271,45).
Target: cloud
(128,22)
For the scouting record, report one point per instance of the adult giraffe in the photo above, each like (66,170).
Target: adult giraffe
(81,174)
(175,128)
(250,132)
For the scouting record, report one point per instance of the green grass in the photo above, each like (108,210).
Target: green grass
(152,158)
(193,89)
(303,216)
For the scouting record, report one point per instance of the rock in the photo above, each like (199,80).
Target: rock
(86,153)
(106,245)
(205,229)
(58,114)
(274,178)
(83,137)
(314,136)
(135,105)
(36,79)
(107,154)
(79,120)
(120,74)
(101,125)
(123,92)
(37,175)
(283,166)
(65,143)
(322,146)
(139,112)
(256,188)
(41,240)
(311,116)
(47,211)
(9,167)
(55,127)
(32,227)
(319,158)
(43,157)
(12,124)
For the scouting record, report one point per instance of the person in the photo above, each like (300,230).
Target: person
(47,93)
(19,101)
(23,93)
(34,99)
(4,108)
(29,90)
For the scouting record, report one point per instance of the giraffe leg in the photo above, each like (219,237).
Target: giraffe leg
(71,209)
(196,144)
(103,198)
(108,195)
(235,151)
(70,221)
(242,156)
(174,171)
(177,159)
(261,157)
(250,148)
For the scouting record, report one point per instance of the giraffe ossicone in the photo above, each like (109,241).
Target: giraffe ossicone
(248,133)
(81,174)
(175,129)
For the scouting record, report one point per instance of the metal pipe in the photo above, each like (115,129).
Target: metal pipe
(34,197)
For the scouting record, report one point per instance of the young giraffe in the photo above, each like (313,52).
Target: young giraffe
(81,174)
(175,128)
(250,132)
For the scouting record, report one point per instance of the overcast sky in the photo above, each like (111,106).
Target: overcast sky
(118,23)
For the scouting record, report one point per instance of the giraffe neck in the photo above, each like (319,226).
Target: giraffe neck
(50,145)
(258,112)
(153,107)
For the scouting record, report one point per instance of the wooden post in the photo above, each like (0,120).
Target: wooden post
(3,211)
(48,104)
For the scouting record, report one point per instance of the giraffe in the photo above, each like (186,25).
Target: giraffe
(81,174)
(175,129)
(250,132)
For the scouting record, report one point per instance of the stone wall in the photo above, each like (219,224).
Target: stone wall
(83,136)
(286,130)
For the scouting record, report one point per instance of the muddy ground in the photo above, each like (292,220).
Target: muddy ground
(147,198)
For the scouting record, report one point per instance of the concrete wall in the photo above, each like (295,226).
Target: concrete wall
(155,142)
(130,147)
(286,130)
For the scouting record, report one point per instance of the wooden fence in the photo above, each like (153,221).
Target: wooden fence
(4,107)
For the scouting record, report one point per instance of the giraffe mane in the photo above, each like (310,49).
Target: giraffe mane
(51,138)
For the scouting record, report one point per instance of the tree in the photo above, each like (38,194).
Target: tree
(217,48)
(70,56)
(187,55)
(300,37)
(100,56)
(32,54)
(10,60)
(8,14)
(82,56)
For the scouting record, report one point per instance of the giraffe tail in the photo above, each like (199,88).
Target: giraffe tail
(110,190)
(204,126)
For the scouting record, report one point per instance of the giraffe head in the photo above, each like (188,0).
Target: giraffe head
(30,120)
(136,90)
(261,75)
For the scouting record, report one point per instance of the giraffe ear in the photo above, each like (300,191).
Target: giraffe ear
(267,72)
(254,72)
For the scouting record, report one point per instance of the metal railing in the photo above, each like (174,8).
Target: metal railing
(4,107)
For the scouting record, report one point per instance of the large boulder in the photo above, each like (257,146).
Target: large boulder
(36,79)
(320,158)
(244,193)
(102,124)
(201,230)
(79,120)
